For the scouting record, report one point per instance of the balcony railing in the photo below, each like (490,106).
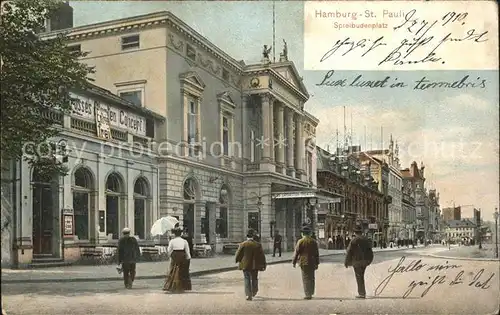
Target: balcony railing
(56,117)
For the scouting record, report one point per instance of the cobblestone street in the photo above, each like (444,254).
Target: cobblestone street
(281,291)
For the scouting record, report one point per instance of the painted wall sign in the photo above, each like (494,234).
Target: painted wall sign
(373,226)
(294,195)
(86,108)
(68,225)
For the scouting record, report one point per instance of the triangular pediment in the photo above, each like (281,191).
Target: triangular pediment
(289,73)
(193,77)
(225,96)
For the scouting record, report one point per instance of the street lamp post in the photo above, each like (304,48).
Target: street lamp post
(496,232)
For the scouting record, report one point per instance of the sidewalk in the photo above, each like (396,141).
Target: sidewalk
(146,270)
(467,253)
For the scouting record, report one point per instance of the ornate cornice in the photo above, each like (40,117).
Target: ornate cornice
(148,21)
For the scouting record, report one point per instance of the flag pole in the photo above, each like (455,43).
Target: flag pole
(274,32)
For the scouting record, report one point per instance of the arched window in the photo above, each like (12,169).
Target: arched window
(141,205)
(113,183)
(114,205)
(222,220)
(83,206)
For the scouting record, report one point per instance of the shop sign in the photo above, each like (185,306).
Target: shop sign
(68,222)
(292,195)
(373,226)
(90,109)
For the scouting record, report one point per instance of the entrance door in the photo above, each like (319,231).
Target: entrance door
(188,218)
(112,216)
(43,219)
(139,216)
(81,208)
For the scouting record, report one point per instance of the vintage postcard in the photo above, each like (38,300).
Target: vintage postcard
(250,157)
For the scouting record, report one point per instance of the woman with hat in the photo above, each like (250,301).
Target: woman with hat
(307,254)
(177,280)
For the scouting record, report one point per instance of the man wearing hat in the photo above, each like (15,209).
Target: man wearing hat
(359,256)
(128,255)
(307,254)
(251,259)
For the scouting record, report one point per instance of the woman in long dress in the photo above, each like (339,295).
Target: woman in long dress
(178,280)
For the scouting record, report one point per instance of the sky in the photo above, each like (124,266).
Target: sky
(453,132)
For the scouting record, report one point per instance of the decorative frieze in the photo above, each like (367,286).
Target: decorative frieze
(178,45)
(209,64)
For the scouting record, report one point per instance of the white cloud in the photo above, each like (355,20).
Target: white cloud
(467,101)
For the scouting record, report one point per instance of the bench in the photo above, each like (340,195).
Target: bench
(230,249)
(202,250)
(150,253)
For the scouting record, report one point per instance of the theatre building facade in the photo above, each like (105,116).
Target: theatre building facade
(237,150)
(112,181)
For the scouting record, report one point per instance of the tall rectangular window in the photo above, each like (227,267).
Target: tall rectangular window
(225,135)
(130,42)
(135,97)
(192,126)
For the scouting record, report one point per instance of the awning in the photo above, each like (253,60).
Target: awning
(320,196)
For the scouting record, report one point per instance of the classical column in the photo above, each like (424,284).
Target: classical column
(266,132)
(271,129)
(280,159)
(299,145)
(185,132)
(199,208)
(289,140)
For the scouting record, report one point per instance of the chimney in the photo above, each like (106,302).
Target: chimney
(61,18)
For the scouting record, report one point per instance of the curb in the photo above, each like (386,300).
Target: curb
(461,258)
(161,276)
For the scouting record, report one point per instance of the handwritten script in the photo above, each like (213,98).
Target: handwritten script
(409,39)
(391,81)
(434,277)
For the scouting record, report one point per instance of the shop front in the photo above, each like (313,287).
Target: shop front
(296,208)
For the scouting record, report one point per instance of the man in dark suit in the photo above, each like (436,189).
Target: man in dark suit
(359,256)
(307,254)
(128,255)
(251,259)
(277,243)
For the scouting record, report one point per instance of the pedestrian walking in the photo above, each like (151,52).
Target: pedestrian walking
(185,275)
(277,243)
(128,254)
(178,280)
(359,255)
(307,255)
(330,242)
(251,259)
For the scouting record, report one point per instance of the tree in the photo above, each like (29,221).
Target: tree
(37,73)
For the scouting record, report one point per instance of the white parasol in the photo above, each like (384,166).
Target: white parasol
(162,225)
